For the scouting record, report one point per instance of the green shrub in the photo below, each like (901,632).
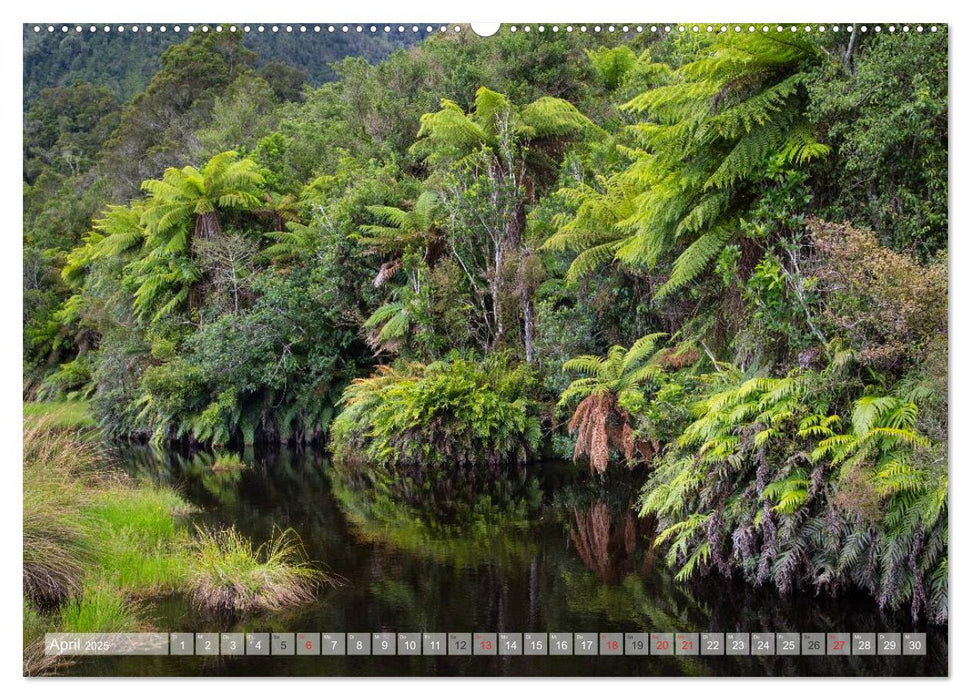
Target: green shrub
(453,411)
(71,380)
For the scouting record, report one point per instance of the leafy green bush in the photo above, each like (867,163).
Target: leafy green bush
(453,411)
(885,113)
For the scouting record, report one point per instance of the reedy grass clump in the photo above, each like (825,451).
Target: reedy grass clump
(96,543)
(56,546)
(228,576)
(36,663)
(101,607)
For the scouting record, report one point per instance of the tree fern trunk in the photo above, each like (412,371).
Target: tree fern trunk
(208,226)
(528,323)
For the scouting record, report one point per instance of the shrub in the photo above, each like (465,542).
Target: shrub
(887,304)
(71,380)
(229,577)
(453,411)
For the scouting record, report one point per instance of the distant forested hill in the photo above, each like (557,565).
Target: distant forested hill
(124,62)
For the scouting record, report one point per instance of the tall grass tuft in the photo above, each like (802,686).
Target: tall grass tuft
(230,577)
(101,607)
(56,547)
(36,662)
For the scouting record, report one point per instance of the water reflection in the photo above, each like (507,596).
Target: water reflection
(464,520)
(543,549)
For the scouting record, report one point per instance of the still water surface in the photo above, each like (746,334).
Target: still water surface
(545,549)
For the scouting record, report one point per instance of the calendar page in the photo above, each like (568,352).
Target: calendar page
(542,349)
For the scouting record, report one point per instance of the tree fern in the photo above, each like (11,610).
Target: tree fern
(706,137)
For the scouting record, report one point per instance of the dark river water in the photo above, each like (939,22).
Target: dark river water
(545,549)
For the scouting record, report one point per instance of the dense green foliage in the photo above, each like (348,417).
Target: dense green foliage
(124,61)
(451,411)
(434,246)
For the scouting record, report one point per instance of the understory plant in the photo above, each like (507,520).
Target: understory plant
(812,480)
(452,411)
(611,393)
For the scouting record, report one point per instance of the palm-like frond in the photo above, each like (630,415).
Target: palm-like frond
(182,196)
(599,421)
(706,137)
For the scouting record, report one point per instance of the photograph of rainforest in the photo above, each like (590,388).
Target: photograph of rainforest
(568,328)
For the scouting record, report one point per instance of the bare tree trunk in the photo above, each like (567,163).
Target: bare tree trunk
(496,288)
(848,54)
(208,226)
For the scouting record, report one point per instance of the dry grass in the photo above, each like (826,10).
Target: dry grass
(57,469)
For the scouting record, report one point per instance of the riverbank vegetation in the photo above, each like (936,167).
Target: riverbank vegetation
(719,259)
(451,412)
(98,547)
(230,577)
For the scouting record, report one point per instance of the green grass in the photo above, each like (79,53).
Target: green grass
(140,546)
(229,576)
(36,624)
(148,513)
(100,608)
(71,415)
(97,545)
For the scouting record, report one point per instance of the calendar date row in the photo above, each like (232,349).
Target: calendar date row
(492,644)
